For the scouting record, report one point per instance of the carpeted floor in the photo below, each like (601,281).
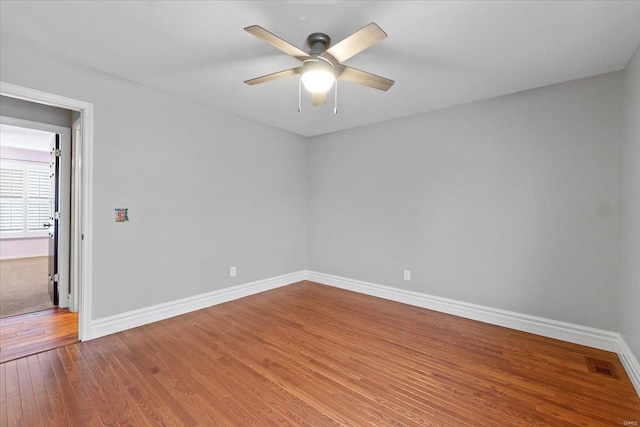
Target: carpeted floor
(23,286)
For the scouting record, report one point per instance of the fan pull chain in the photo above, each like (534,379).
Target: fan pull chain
(300,94)
(335,98)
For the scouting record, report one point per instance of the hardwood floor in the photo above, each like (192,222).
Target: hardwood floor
(31,333)
(308,354)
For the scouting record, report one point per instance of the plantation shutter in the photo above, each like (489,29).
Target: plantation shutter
(39,206)
(11,199)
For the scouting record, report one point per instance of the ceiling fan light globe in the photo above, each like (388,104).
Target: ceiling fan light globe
(318,75)
(318,80)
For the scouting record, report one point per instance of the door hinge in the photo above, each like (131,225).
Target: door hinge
(56,215)
(56,277)
(57,152)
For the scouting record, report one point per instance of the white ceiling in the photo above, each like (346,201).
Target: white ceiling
(26,139)
(439,53)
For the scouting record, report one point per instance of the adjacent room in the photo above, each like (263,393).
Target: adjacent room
(34,229)
(320,213)
(25,205)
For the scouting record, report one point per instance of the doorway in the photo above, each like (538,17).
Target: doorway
(28,191)
(76,292)
(35,219)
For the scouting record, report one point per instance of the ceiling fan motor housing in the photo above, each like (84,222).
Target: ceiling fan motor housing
(318,42)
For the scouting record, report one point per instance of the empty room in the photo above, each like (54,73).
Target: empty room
(321,213)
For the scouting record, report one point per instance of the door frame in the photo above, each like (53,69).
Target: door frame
(64,195)
(81,244)
(76,231)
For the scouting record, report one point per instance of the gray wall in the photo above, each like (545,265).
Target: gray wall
(17,108)
(630,280)
(205,189)
(512,202)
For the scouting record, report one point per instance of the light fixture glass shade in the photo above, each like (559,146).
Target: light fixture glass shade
(317,75)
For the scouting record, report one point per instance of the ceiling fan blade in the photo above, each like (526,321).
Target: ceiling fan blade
(274,76)
(354,75)
(319,98)
(357,42)
(277,42)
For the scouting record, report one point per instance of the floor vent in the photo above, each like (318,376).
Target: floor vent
(601,367)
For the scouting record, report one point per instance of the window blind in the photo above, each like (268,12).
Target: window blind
(11,182)
(25,191)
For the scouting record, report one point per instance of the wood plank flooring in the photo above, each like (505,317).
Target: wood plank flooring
(313,355)
(25,334)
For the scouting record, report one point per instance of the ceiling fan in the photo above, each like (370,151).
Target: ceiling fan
(322,65)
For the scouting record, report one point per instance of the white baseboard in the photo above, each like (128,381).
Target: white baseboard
(597,338)
(6,258)
(120,322)
(629,362)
